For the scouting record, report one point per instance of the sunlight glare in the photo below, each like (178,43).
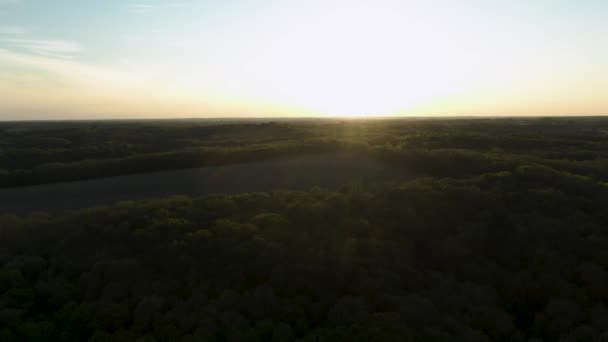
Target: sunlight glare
(356,62)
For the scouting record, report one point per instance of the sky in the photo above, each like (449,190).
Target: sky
(74,59)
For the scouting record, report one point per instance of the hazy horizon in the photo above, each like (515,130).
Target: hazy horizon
(189,59)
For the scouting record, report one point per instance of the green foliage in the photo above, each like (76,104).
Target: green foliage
(507,256)
(34,153)
(498,235)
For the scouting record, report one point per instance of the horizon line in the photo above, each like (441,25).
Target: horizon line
(270,118)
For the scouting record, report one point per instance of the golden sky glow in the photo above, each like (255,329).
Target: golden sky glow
(329,58)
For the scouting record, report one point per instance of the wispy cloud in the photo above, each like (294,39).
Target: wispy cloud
(46,47)
(141,8)
(150,7)
(55,57)
(12,30)
(72,71)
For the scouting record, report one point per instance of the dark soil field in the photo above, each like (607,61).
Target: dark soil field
(326,170)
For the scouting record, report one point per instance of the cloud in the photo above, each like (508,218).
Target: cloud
(12,30)
(57,57)
(70,71)
(46,47)
(140,8)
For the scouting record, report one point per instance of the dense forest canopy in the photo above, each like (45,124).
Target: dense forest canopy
(499,235)
(44,152)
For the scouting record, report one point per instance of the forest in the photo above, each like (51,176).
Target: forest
(476,230)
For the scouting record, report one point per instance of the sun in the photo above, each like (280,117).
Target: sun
(359,62)
(348,62)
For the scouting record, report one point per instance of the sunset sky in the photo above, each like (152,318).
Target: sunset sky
(75,59)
